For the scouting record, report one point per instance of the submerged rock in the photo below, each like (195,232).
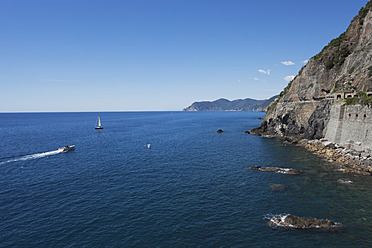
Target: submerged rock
(295,222)
(219,131)
(277,169)
(344,181)
(277,187)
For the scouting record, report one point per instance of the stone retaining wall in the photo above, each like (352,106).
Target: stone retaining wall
(350,126)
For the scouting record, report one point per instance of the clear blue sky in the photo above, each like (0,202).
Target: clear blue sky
(138,55)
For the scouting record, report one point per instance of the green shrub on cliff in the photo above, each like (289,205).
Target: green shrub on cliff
(338,58)
(302,68)
(337,41)
(285,91)
(361,94)
(272,106)
(352,101)
(352,69)
(363,12)
(368,100)
(370,71)
(362,99)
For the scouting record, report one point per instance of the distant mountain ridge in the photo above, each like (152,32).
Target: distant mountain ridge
(222,104)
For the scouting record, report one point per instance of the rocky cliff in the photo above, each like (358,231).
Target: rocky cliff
(236,105)
(344,65)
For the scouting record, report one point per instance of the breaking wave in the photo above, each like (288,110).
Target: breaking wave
(272,217)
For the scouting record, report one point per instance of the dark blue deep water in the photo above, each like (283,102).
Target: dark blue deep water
(191,189)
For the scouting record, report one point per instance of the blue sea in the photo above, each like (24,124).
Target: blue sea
(191,189)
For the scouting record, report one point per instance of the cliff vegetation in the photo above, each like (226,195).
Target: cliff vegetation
(343,65)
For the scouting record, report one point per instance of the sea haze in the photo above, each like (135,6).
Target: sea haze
(191,189)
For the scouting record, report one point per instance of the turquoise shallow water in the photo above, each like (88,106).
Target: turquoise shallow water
(191,189)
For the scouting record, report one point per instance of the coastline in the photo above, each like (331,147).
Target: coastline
(346,160)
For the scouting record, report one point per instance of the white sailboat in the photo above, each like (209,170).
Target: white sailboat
(99,126)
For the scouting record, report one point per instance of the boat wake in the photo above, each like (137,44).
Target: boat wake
(32,156)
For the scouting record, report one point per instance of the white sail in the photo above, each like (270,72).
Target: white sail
(99,126)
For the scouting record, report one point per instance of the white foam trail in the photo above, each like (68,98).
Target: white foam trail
(32,156)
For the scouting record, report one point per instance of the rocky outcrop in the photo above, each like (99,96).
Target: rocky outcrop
(291,119)
(277,169)
(219,131)
(296,222)
(318,121)
(345,160)
(302,108)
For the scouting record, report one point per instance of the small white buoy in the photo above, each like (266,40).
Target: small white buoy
(149,146)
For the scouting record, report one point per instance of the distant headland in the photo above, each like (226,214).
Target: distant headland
(222,104)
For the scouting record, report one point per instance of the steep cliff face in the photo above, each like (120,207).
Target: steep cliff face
(344,65)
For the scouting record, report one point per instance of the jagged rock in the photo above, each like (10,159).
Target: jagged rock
(247,132)
(328,144)
(290,140)
(348,161)
(277,169)
(296,222)
(365,154)
(219,131)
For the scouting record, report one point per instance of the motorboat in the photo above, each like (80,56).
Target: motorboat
(67,148)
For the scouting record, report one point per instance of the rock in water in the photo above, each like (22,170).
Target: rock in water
(219,131)
(247,132)
(345,181)
(277,169)
(277,187)
(296,222)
